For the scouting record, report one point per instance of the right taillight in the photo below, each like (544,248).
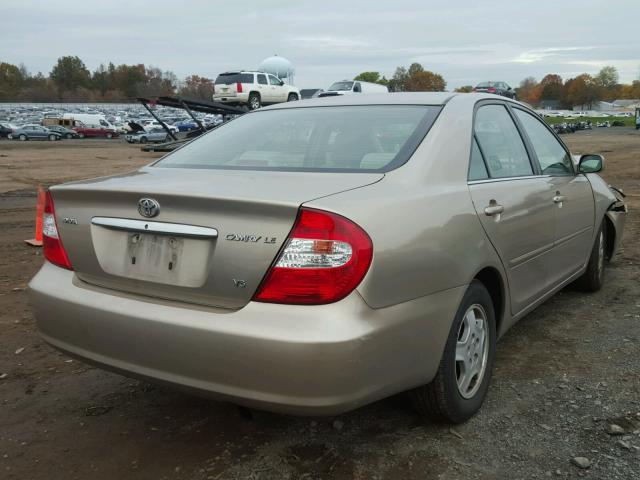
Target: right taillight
(324,259)
(51,243)
(239,87)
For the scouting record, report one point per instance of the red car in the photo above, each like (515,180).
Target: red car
(95,131)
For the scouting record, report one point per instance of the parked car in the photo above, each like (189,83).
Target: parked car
(307,93)
(34,132)
(5,130)
(63,131)
(152,124)
(152,135)
(95,131)
(348,87)
(252,89)
(186,125)
(286,260)
(498,88)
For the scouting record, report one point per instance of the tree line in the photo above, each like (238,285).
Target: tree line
(71,81)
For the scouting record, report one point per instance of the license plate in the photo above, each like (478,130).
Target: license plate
(154,257)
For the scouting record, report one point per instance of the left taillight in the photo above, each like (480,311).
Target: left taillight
(51,243)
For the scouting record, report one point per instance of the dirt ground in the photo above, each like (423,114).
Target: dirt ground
(562,376)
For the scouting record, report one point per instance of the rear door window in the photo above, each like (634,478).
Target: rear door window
(552,156)
(229,78)
(262,79)
(500,142)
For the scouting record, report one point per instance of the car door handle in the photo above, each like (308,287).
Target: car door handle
(492,210)
(559,198)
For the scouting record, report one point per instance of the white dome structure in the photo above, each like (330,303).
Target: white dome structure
(278,66)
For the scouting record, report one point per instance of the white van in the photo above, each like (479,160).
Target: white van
(347,87)
(89,119)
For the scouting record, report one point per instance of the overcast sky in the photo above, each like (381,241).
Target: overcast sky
(465,41)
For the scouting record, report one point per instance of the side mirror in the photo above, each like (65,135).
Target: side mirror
(591,163)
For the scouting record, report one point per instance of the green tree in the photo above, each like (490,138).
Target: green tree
(399,80)
(426,82)
(415,68)
(372,77)
(12,80)
(552,87)
(607,77)
(465,89)
(69,74)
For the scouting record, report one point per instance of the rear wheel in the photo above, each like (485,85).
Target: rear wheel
(81,135)
(292,97)
(109,135)
(461,383)
(593,277)
(23,137)
(143,139)
(254,101)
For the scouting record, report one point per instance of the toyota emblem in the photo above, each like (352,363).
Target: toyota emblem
(148,207)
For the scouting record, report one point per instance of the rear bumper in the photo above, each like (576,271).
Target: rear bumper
(294,359)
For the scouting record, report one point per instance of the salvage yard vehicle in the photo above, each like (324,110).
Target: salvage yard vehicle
(34,132)
(498,88)
(65,132)
(153,135)
(330,253)
(348,87)
(252,89)
(95,131)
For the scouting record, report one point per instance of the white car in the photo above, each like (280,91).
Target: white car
(348,87)
(150,125)
(253,89)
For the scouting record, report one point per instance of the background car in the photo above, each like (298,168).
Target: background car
(150,124)
(34,132)
(5,130)
(252,89)
(498,88)
(186,125)
(95,131)
(65,132)
(153,135)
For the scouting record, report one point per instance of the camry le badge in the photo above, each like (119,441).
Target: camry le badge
(148,207)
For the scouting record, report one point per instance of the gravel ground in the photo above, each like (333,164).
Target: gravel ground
(564,400)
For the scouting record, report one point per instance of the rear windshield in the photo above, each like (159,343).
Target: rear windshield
(228,78)
(361,138)
(484,85)
(340,86)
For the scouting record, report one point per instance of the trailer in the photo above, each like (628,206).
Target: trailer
(189,106)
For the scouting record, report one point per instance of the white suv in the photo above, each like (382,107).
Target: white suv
(253,89)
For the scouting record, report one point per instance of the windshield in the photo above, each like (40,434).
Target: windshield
(340,86)
(342,138)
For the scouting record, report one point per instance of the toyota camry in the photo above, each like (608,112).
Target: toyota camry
(316,256)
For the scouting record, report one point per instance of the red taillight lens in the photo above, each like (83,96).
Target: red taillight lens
(239,87)
(325,258)
(51,243)
(491,90)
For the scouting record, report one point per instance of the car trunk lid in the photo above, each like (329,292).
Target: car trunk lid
(243,217)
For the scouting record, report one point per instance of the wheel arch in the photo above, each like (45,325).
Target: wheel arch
(492,280)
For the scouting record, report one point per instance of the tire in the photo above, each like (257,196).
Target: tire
(449,397)
(81,135)
(592,279)
(254,101)
(68,136)
(52,138)
(22,137)
(167,139)
(292,97)
(109,135)
(143,139)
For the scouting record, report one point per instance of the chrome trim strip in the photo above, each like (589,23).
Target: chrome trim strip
(159,228)
(505,179)
(530,255)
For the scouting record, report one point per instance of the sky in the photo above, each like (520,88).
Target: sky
(465,41)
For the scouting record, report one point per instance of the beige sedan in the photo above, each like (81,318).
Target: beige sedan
(317,256)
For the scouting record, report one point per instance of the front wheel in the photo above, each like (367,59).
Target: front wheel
(23,137)
(109,135)
(292,97)
(81,135)
(461,383)
(592,279)
(143,139)
(52,138)
(69,136)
